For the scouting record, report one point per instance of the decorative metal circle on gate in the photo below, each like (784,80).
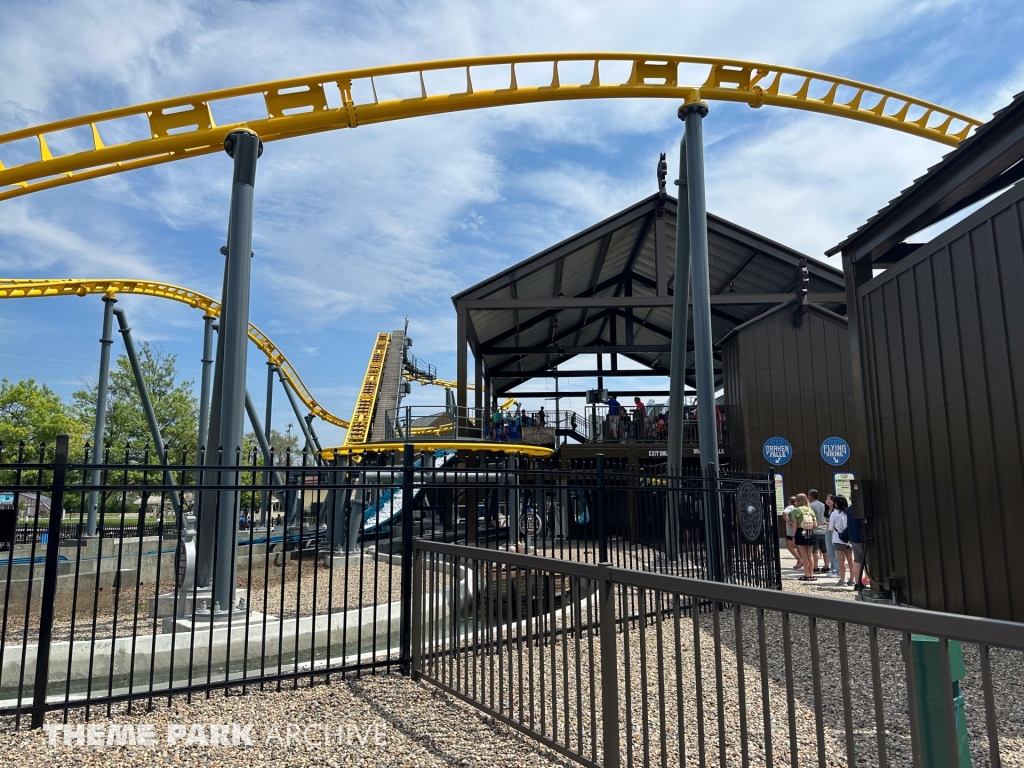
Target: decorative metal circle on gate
(749,511)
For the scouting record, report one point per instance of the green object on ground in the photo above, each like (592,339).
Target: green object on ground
(926,653)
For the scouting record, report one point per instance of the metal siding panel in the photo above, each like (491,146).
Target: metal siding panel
(965,501)
(928,329)
(945,509)
(987,501)
(880,350)
(1010,251)
(807,446)
(918,588)
(897,361)
(911,332)
(1010,492)
(990,307)
(968,317)
(819,370)
(890,487)
(949,334)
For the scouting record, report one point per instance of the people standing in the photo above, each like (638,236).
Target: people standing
(787,518)
(821,539)
(856,527)
(541,417)
(806,521)
(613,416)
(639,419)
(838,526)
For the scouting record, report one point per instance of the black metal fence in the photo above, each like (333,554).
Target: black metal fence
(613,666)
(314,559)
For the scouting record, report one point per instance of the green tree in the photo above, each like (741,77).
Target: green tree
(174,403)
(280,444)
(35,414)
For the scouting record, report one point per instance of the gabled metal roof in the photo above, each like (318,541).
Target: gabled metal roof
(618,257)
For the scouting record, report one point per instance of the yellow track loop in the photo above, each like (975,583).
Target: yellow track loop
(32,288)
(186,126)
(453,445)
(362,415)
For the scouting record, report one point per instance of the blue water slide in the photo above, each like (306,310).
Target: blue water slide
(388,508)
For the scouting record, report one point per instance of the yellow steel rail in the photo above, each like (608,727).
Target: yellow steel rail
(426,380)
(36,288)
(442,445)
(362,415)
(186,126)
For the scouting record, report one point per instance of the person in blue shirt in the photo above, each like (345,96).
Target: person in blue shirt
(856,529)
(613,416)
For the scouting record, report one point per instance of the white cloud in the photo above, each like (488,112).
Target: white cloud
(364,227)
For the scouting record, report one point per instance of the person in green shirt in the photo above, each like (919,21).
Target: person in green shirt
(806,521)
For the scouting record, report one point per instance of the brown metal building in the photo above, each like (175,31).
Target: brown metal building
(787,374)
(937,340)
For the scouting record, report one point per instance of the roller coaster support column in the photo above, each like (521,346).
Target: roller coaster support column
(204,387)
(265,497)
(312,433)
(677,379)
(261,440)
(101,410)
(244,147)
(461,368)
(147,406)
(303,424)
(693,114)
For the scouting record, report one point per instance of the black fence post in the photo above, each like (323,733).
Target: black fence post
(405,621)
(417,614)
(713,528)
(60,466)
(602,511)
(609,667)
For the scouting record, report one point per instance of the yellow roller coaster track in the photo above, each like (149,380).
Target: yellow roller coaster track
(442,445)
(362,415)
(186,126)
(32,288)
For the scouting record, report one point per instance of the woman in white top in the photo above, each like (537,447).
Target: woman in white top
(837,525)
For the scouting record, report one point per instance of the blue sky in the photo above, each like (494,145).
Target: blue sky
(355,230)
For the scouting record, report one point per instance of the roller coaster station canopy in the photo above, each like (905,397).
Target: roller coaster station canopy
(609,289)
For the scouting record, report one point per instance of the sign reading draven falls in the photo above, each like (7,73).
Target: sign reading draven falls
(777,451)
(835,451)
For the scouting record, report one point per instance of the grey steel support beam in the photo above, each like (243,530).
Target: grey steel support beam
(642,302)
(462,361)
(261,439)
(677,362)
(478,384)
(312,432)
(303,424)
(264,497)
(204,387)
(244,147)
(101,410)
(147,406)
(693,115)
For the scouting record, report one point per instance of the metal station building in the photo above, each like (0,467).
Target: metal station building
(608,291)
(937,342)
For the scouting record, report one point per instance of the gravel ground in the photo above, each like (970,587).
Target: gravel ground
(734,721)
(415,724)
(430,728)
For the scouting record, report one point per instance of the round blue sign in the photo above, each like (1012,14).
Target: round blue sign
(835,451)
(777,451)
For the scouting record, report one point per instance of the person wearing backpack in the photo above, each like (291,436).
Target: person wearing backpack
(806,521)
(838,526)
